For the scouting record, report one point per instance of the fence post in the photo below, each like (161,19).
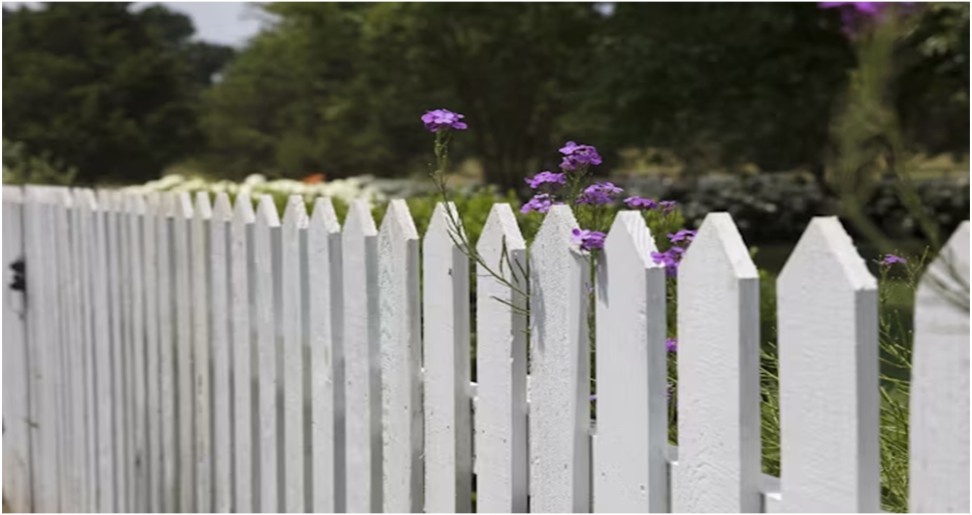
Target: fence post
(828,356)
(632,421)
(362,361)
(445,300)
(264,294)
(16,368)
(939,434)
(325,320)
(560,368)
(219,276)
(245,394)
(501,468)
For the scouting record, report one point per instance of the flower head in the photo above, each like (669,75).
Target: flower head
(671,344)
(640,203)
(578,155)
(670,259)
(855,15)
(599,193)
(588,240)
(540,203)
(667,206)
(891,259)
(683,235)
(442,120)
(552,178)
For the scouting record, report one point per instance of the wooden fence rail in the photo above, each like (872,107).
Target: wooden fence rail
(164,353)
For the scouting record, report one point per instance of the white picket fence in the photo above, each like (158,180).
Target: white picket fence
(169,355)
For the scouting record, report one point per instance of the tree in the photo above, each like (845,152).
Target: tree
(104,89)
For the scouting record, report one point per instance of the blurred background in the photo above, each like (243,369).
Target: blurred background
(775,112)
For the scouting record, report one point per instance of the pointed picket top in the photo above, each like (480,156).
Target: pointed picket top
(398,223)
(243,209)
(939,431)
(828,355)
(295,214)
(324,216)
(441,229)
(203,206)
(359,221)
(222,209)
(183,205)
(267,212)
(86,198)
(136,204)
(632,433)
(560,375)
(718,366)
(500,228)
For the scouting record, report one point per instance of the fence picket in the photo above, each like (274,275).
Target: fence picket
(293,229)
(153,406)
(16,399)
(134,215)
(201,350)
(84,237)
(448,432)
(222,443)
(501,366)
(168,351)
(632,420)
(827,302)
(184,399)
(559,369)
(718,373)
(401,360)
(324,322)
(939,433)
(104,420)
(245,394)
(266,228)
(362,361)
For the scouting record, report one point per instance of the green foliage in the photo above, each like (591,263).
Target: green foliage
(104,87)
(21,168)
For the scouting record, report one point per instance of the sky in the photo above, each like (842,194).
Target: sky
(227,23)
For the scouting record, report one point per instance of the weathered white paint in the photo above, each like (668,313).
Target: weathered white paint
(501,367)
(718,373)
(165,238)
(401,360)
(42,358)
(153,401)
(84,236)
(632,430)
(325,320)
(116,282)
(138,457)
(362,361)
(828,355)
(102,357)
(559,368)
(219,267)
(16,401)
(294,225)
(185,401)
(264,293)
(245,457)
(201,350)
(939,433)
(448,431)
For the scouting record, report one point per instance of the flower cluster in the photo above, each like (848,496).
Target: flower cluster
(671,344)
(588,240)
(599,194)
(577,156)
(551,179)
(672,257)
(856,15)
(540,203)
(439,120)
(647,204)
(891,259)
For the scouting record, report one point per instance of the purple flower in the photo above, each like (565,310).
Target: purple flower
(554,179)
(667,206)
(640,203)
(671,344)
(670,259)
(686,235)
(891,259)
(443,119)
(599,193)
(578,155)
(540,203)
(854,15)
(868,8)
(588,240)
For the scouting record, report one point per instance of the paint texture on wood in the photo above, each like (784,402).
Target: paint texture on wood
(153,415)
(828,355)
(325,321)
(560,368)
(219,295)
(939,432)
(445,300)
(185,399)
(362,361)
(632,437)
(718,372)
(501,366)
(165,227)
(264,294)
(245,457)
